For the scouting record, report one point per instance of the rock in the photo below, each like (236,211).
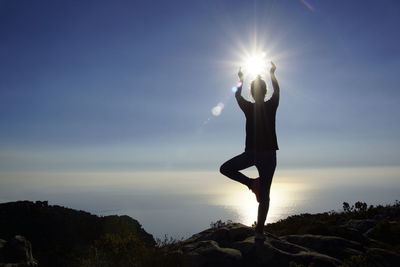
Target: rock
(17,251)
(286,246)
(209,253)
(333,246)
(382,257)
(275,252)
(234,245)
(224,235)
(360,226)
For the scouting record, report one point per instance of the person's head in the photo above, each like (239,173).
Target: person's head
(258,89)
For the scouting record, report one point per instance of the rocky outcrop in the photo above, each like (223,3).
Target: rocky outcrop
(234,245)
(333,246)
(209,253)
(16,252)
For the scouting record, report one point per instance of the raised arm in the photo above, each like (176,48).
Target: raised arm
(275,85)
(243,103)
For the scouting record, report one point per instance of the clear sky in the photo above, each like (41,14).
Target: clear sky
(129,85)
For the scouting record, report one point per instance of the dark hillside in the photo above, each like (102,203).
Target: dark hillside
(60,235)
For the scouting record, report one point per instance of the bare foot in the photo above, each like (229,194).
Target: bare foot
(255,188)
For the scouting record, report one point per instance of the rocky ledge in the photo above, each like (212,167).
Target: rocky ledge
(234,245)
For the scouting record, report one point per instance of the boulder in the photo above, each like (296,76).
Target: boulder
(234,245)
(209,253)
(333,246)
(275,252)
(382,257)
(224,235)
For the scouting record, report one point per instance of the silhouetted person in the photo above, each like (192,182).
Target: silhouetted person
(261,144)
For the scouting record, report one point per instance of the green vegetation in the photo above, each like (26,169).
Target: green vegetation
(387,232)
(115,250)
(65,237)
(320,223)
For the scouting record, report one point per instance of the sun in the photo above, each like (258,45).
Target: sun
(255,64)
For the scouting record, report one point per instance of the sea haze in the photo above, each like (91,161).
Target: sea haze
(180,204)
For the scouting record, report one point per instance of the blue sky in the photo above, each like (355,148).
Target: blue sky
(129,85)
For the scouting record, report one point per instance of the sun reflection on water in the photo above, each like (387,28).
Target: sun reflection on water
(285,197)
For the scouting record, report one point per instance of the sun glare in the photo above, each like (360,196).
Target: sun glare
(284,196)
(255,64)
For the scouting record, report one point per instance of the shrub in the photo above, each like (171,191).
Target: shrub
(114,250)
(220,223)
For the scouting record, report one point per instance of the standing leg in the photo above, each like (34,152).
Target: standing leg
(266,164)
(232,168)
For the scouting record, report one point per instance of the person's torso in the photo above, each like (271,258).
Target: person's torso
(260,127)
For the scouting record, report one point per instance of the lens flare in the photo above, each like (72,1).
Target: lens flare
(216,111)
(308,4)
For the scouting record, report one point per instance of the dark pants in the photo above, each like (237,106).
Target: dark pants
(265,163)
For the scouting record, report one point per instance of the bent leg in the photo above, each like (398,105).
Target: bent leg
(232,167)
(266,167)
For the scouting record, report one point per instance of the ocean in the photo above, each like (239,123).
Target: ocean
(181,203)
